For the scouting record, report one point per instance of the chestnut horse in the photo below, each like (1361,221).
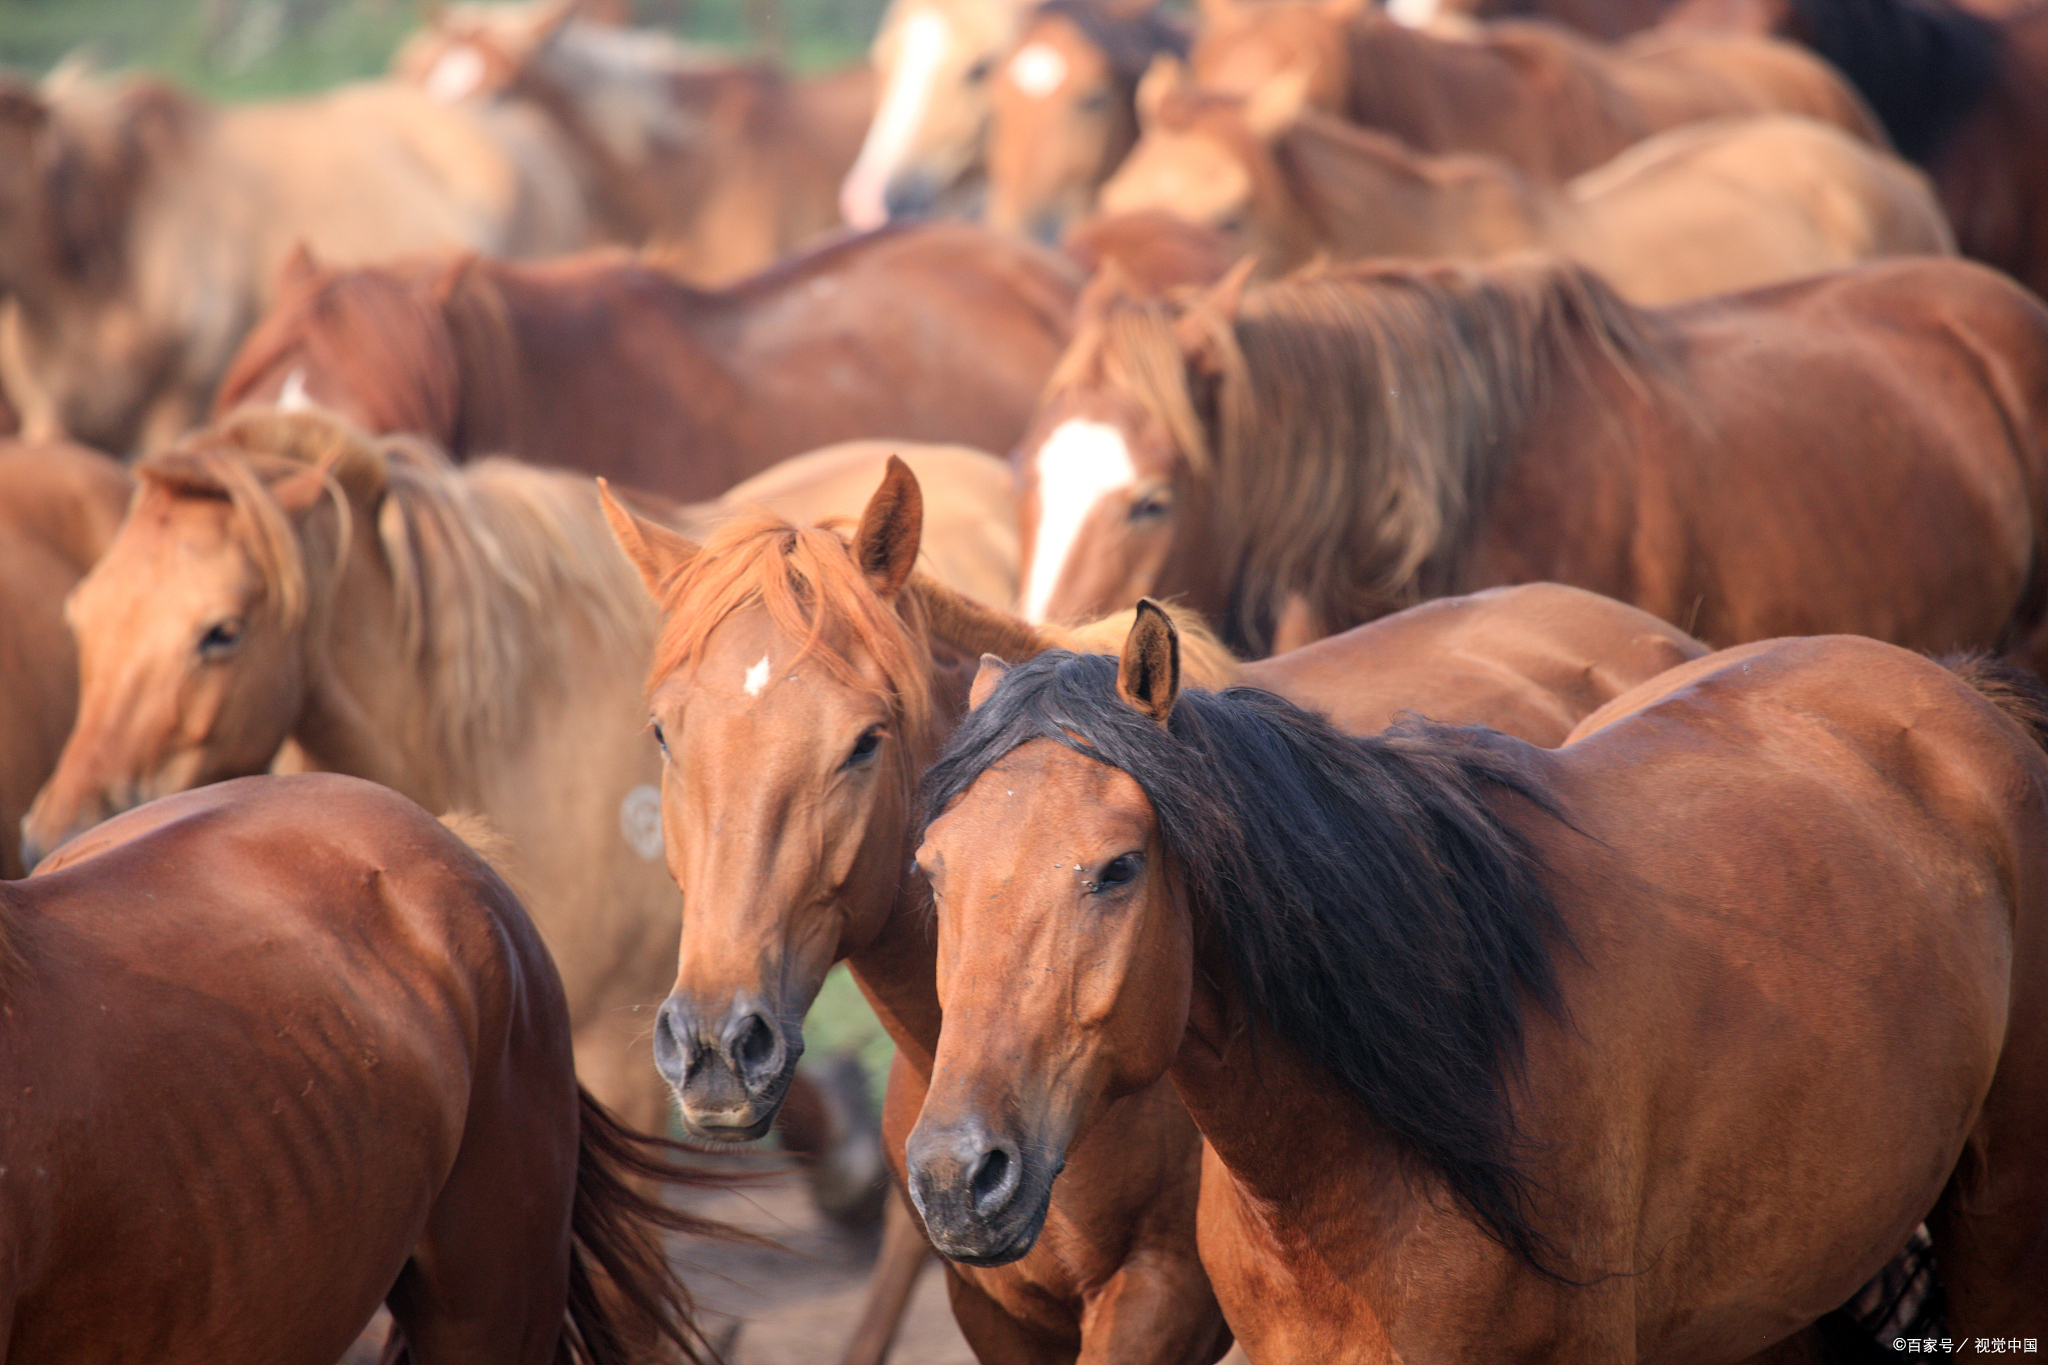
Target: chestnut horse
(59,507)
(802,685)
(1549,103)
(1063,108)
(468,637)
(1702,209)
(728,164)
(935,332)
(144,229)
(1621,1051)
(282,1050)
(1861,451)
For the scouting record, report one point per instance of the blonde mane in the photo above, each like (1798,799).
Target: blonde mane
(1359,418)
(501,573)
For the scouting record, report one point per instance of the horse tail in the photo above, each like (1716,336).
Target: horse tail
(626,1303)
(2013,688)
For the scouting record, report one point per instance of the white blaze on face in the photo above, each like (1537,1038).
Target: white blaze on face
(293,397)
(1080,464)
(1413,13)
(1038,70)
(926,39)
(757,677)
(456,75)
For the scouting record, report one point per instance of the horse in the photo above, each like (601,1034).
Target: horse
(1547,102)
(1153,251)
(1063,108)
(1620,1051)
(803,682)
(145,228)
(467,636)
(923,151)
(356,1091)
(1861,451)
(727,164)
(59,506)
(931,332)
(1705,208)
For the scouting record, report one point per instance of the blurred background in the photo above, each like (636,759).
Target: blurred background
(249,48)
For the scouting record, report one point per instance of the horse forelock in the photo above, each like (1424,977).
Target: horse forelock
(1128,39)
(1127,345)
(806,579)
(1381,917)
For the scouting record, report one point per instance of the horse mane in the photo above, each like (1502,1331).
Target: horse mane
(1921,64)
(501,572)
(1390,395)
(1381,917)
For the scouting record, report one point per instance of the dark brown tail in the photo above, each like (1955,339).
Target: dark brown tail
(626,1304)
(2013,688)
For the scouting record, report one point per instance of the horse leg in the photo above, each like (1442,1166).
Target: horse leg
(1156,1310)
(488,1278)
(902,1259)
(995,1337)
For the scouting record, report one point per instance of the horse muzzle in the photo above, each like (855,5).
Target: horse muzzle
(729,1071)
(983,1198)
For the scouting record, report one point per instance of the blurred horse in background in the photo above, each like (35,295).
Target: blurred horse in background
(726,164)
(923,152)
(144,229)
(934,332)
(1705,208)
(1064,107)
(283,1050)
(59,507)
(466,636)
(1548,102)
(1859,451)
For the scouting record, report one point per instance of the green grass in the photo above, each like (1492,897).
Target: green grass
(251,49)
(840,1021)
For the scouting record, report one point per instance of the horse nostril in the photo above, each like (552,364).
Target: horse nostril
(992,1181)
(669,1052)
(753,1049)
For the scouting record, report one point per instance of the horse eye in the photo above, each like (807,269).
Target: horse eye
(1121,870)
(1152,506)
(1095,102)
(978,73)
(659,737)
(221,639)
(864,747)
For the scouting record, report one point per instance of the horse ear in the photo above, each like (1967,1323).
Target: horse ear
(1214,312)
(1277,103)
(985,679)
(1148,674)
(886,544)
(656,551)
(299,267)
(1163,79)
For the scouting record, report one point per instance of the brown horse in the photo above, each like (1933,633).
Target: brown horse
(1063,108)
(728,164)
(468,637)
(803,683)
(59,507)
(282,1050)
(144,230)
(936,332)
(1702,209)
(1547,102)
(1623,1051)
(1861,451)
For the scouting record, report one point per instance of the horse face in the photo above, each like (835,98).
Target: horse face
(1184,172)
(1240,51)
(783,808)
(1060,122)
(1102,495)
(188,673)
(1065,970)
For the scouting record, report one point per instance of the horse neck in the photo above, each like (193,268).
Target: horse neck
(898,970)
(1370,195)
(488,382)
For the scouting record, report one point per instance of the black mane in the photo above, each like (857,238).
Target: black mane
(1921,64)
(1379,913)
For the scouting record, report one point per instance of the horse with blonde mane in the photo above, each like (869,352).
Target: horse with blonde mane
(467,636)
(801,685)
(1706,208)
(1549,103)
(59,507)
(284,1050)
(146,228)
(727,164)
(1859,451)
(932,332)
